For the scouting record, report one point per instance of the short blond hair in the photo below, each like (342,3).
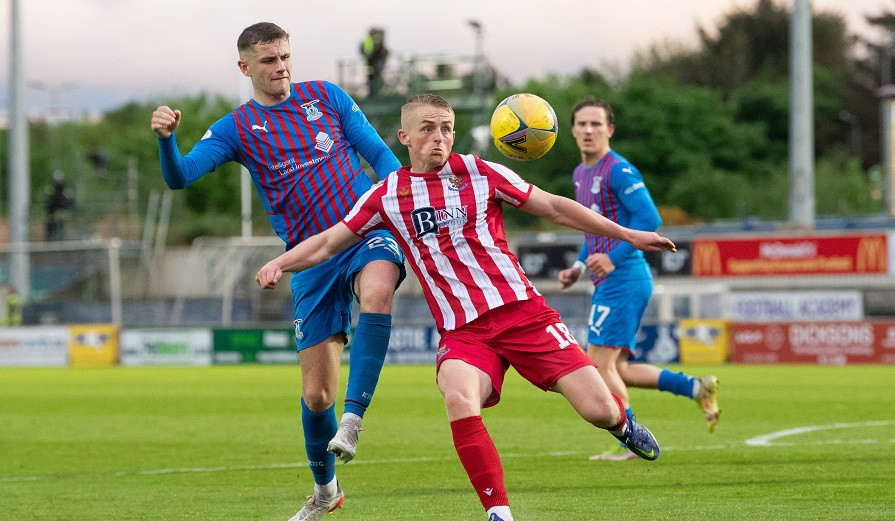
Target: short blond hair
(421,100)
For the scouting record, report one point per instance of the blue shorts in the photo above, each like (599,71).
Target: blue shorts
(616,310)
(322,295)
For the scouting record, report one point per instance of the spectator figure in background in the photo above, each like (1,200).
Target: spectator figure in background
(375,54)
(446,211)
(56,205)
(300,142)
(612,187)
(12,307)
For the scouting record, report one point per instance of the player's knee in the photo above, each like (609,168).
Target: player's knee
(460,403)
(375,290)
(377,297)
(318,398)
(602,412)
(377,301)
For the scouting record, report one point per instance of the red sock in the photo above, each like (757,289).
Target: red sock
(480,459)
(621,410)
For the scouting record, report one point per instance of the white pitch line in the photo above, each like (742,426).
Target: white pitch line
(757,441)
(765,439)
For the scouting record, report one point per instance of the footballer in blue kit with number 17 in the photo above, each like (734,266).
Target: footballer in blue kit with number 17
(300,142)
(610,185)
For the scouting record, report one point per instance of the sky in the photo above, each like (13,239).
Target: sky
(91,55)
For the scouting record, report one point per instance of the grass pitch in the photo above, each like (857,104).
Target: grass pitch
(225,443)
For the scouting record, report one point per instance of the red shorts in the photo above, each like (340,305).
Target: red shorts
(528,335)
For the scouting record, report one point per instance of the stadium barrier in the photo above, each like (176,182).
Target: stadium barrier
(685,341)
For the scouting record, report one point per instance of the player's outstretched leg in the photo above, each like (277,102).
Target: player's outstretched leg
(707,398)
(368,351)
(319,505)
(638,439)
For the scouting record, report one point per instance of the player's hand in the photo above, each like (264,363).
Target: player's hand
(165,121)
(600,264)
(269,275)
(569,276)
(651,241)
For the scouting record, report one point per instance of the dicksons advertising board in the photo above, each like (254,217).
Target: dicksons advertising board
(828,343)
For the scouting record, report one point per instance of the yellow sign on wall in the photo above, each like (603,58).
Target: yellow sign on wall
(703,341)
(93,345)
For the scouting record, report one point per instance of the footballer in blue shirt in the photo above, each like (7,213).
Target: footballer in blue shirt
(300,143)
(610,185)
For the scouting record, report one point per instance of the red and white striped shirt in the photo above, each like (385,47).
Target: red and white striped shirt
(450,224)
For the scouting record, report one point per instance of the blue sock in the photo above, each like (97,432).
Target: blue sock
(676,383)
(319,428)
(368,350)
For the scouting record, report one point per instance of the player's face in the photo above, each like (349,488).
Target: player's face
(429,137)
(592,130)
(270,67)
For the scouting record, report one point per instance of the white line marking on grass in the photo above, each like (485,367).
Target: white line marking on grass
(765,439)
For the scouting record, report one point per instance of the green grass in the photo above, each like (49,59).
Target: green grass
(225,443)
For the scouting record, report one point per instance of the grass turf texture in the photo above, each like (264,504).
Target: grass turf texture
(225,443)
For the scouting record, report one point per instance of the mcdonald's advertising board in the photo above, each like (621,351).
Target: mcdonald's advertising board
(857,254)
(826,343)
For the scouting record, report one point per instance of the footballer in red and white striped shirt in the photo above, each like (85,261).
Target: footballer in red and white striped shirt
(450,223)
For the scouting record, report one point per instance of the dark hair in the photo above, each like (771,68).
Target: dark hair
(261,32)
(594,102)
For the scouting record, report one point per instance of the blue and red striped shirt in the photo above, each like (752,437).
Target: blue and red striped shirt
(302,155)
(615,189)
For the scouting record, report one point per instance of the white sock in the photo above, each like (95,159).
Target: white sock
(350,416)
(697,388)
(328,490)
(502,512)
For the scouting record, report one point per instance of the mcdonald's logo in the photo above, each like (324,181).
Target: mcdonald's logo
(871,255)
(706,259)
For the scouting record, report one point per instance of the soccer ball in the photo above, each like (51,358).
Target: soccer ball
(523,127)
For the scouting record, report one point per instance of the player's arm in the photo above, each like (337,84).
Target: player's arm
(307,254)
(210,152)
(361,134)
(372,148)
(634,196)
(571,214)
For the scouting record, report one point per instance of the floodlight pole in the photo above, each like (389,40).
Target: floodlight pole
(886,94)
(801,118)
(245,178)
(19,171)
(478,78)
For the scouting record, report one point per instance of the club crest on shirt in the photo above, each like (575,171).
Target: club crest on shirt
(456,183)
(404,191)
(311,110)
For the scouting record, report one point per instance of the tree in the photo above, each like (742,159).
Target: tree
(750,51)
